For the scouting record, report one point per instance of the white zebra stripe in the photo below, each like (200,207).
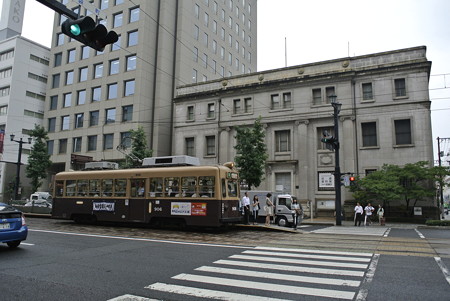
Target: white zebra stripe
(311,256)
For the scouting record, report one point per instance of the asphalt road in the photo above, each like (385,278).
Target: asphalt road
(64,261)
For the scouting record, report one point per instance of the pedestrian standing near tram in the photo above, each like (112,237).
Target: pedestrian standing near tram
(268,208)
(358,214)
(297,212)
(245,203)
(380,213)
(256,208)
(368,210)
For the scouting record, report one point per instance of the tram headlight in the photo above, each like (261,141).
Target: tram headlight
(229,165)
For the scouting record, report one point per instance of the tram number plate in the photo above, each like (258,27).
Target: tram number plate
(158,209)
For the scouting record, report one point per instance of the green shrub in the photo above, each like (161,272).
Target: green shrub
(432,222)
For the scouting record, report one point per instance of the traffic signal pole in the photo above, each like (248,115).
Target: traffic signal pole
(337,168)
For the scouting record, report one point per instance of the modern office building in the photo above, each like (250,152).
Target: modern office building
(385,118)
(95,98)
(24,67)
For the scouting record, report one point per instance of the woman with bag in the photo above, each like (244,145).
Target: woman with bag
(268,208)
(380,213)
(256,208)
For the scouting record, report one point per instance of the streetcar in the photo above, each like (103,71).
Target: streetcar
(163,191)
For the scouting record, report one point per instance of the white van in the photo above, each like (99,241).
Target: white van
(40,199)
(282,203)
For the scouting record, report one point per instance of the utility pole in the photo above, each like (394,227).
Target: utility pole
(441,184)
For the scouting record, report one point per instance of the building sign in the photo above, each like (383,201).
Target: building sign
(417,210)
(177,208)
(198,209)
(326,181)
(103,206)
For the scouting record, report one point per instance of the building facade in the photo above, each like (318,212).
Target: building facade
(95,98)
(24,67)
(385,118)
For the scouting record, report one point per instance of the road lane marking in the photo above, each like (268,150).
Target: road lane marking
(287,277)
(206,293)
(366,231)
(315,251)
(364,290)
(387,232)
(420,234)
(298,290)
(290,268)
(443,268)
(310,256)
(299,261)
(26,244)
(131,298)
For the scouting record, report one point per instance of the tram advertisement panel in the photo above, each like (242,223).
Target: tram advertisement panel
(183,208)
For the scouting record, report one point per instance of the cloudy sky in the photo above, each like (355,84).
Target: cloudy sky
(328,29)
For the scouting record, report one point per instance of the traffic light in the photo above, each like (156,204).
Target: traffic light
(345,180)
(86,31)
(330,141)
(352,181)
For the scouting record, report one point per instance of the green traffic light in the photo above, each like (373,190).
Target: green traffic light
(75,29)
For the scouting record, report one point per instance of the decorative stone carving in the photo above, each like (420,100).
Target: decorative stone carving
(224,83)
(345,64)
(261,77)
(301,71)
(325,159)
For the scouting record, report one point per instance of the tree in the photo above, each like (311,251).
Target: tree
(251,153)
(139,149)
(39,159)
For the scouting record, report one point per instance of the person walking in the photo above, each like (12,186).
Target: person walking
(268,208)
(256,208)
(245,203)
(368,210)
(297,212)
(380,213)
(358,214)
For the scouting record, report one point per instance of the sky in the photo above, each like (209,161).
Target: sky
(305,31)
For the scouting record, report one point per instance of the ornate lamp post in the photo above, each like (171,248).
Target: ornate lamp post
(19,159)
(337,169)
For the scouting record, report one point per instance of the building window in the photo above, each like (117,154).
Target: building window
(134,14)
(59,39)
(274,101)
(98,70)
(96,94)
(190,146)
(92,143)
(131,62)
(247,105)
(85,52)
(58,59)
(50,146)
(77,144)
(62,146)
(116,46)
(129,87)
(400,87)
(317,96)
(132,38)
(108,140)
(237,106)
(125,139)
(81,97)
(52,125)
(69,77)
(367,91)
(114,67)
(65,123)
(287,100)
(196,32)
(110,115)
(53,102)
(83,74)
(127,113)
(195,57)
(282,140)
(71,56)
(190,113)
(112,91)
(206,19)
(117,20)
(403,132)
(93,118)
(196,11)
(210,145)
(211,110)
(79,120)
(194,76)
(283,179)
(55,80)
(369,134)
(329,91)
(67,100)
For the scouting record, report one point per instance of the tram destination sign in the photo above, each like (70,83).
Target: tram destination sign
(103,206)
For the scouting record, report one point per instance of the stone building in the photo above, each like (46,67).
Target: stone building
(385,118)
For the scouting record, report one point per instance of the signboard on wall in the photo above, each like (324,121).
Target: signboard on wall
(326,181)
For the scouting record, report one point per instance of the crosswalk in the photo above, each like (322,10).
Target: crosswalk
(274,274)
(363,230)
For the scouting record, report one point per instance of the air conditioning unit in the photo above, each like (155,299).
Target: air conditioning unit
(171,161)
(101,165)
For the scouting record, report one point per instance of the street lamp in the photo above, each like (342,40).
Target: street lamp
(19,159)
(337,169)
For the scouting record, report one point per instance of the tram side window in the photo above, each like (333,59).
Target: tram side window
(71,187)
(137,187)
(94,187)
(206,186)
(224,189)
(59,188)
(172,186)
(82,187)
(107,187)
(232,188)
(156,187)
(120,187)
(189,186)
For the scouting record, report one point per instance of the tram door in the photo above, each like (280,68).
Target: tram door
(137,204)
